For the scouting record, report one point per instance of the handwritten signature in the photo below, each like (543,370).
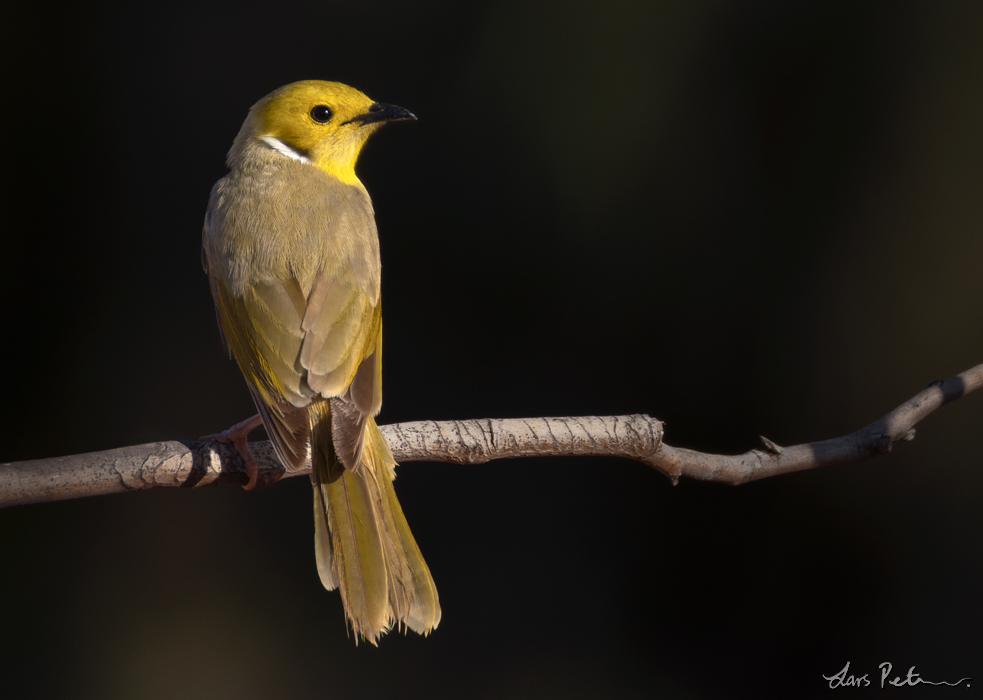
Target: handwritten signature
(844,679)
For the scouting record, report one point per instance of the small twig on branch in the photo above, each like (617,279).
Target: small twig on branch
(638,437)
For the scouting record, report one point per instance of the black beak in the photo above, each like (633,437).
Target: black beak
(379,112)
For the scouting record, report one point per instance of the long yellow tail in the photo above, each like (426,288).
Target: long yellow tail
(363,544)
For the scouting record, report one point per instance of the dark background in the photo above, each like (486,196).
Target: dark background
(742,218)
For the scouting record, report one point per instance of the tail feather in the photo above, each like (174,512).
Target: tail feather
(413,596)
(363,543)
(323,549)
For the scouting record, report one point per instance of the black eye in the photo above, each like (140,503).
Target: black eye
(321,113)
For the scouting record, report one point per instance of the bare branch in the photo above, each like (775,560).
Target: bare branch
(639,437)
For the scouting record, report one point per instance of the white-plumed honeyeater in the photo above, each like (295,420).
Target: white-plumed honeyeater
(292,255)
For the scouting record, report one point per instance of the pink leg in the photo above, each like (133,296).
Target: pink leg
(237,436)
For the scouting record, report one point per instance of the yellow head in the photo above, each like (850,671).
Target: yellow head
(319,122)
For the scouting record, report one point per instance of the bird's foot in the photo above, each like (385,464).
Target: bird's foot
(237,436)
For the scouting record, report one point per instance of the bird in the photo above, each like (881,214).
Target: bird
(291,251)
